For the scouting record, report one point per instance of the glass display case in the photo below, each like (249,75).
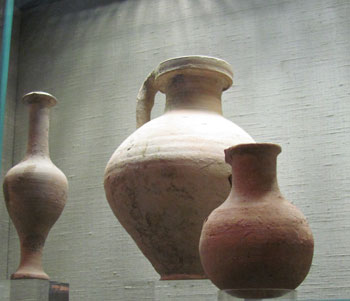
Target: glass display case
(290,62)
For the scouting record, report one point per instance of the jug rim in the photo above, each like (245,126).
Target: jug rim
(198,64)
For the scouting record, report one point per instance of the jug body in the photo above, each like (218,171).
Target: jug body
(165,178)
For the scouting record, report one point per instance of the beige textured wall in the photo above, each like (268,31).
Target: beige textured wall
(292,67)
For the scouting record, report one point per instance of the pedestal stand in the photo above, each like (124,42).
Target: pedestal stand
(33,290)
(170,290)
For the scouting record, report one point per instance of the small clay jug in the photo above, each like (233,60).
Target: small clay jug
(35,189)
(166,177)
(256,239)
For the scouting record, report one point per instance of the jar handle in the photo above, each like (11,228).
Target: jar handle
(145,100)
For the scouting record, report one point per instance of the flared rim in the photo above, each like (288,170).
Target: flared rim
(252,148)
(199,63)
(40,97)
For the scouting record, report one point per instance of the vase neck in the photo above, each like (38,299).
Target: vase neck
(186,92)
(38,136)
(254,171)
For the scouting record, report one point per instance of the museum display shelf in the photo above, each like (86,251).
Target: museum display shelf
(33,289)
(280,294)
(204,290)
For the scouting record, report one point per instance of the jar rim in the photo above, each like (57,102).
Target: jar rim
(252,148)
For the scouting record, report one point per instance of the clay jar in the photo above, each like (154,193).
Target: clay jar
(35,189)
(165,178)
(256,238)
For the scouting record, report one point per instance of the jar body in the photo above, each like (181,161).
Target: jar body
(164,180)
(256,239)
(265,244)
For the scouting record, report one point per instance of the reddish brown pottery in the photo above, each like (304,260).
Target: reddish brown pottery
(35,189)
(256,238)
(165,178)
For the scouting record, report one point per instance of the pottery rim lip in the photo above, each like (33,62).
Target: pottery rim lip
(40,97)
(196,63)
(251,148)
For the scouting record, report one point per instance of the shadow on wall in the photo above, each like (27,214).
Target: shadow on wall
(29,4)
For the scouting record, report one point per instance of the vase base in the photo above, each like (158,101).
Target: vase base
(183,277)
(30,275)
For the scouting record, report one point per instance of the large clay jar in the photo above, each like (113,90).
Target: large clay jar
(35,189)
(256,239)
(164,179)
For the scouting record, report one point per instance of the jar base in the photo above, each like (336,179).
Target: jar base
(183,277)
(256,294)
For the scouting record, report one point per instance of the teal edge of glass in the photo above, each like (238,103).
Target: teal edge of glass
(4,66)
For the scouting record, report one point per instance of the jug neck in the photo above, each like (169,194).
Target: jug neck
(189,92)
(38,136)
(253,169)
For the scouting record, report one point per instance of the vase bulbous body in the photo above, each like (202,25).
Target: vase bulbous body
(166,177)
(35,190)
(256,239)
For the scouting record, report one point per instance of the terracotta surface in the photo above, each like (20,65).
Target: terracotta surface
(165,178)
(35,189)
(256,238)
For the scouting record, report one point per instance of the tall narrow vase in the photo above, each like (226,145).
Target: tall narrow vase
(165,178)
(35,189)
(256,239)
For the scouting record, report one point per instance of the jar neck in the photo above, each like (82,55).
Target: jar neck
(38,136)
(186,92)
(254,174)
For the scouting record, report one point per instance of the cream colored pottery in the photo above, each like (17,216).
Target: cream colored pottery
(35,189)
(165,178)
